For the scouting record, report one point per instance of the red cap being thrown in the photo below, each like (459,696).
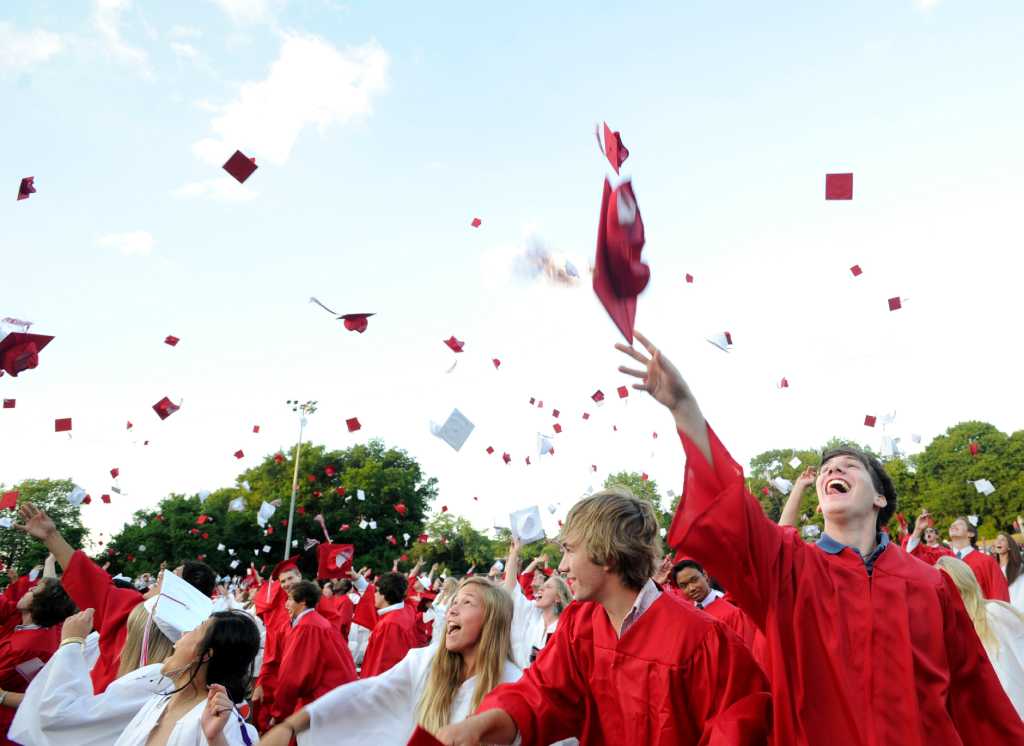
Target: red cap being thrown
(292,563)
(240,166)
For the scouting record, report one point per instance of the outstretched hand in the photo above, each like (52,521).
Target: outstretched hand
(35,522)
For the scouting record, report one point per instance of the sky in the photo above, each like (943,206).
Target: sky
(382,129)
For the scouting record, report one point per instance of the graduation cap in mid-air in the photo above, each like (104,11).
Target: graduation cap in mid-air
(19,349)
(240,166)
(619,275)
(354,322)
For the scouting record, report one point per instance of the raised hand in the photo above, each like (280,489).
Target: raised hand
(77,625)
(35,522)
(218,709)
(806,479)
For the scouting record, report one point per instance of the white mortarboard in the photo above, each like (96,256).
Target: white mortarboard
(775,465)
(498,565)
(722,340)
(238,504)
(810,532)
(544,445)
(360,495)
(142,547)
(363,524)
(984,486)
(5,522)
(256,552)
(115,488)
(295,542)
(203,494)
(552,508)
(33,574)
(231,551)
(119,576)
(234,564)
(373,524)
(888,419)
(889,446)
(663,532)
(265,514)
(795,462)
(916,437)
(180,607)
(266,549)
(405,538)
(455,430)
(77,495)
(424,580)
(973,519)
(782,485)
(221,547)
(526,525)
(671,493)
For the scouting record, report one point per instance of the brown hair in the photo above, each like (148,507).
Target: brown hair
(880,479)
(131,653)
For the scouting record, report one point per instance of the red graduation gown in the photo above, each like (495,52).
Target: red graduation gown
(856,660)
(676,677)
(314,661)
(20,646)
(929,554)
(990,576)
(392,638)
(90,587)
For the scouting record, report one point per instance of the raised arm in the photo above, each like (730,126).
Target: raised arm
(36,523)
(512,566)
(791,510)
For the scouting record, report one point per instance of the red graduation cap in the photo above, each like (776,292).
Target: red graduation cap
(334,560)
(202,519)
(423,538)
(392,540)
(26,187)
(444,508)
(506,458)
(454,344)
(527,460)
(973,447)
(597,396)
(476,222)
(9,403)
(856,271)
(356,322)
(87,500)
(593,467)
(532,401)
(400,508)
(838,186)
(10,500)
(490,450)
(165,408)
(240,166)
(612,147)
(329,470)
(340,491)
(784,383)
(278,458)
(311,478)
(497,363)
(870,420)
(558,428)
(586,415)
(62,425)
(352,424)
(292,563)
(644,476)
(115,473)
(19,351)
(623,392)
(239,454)
(689,278)
(256,429)
(105,498)
(895,304)
(171,340)
(619,275)
(654,435)
(343,527)
(555,413)
(130,425)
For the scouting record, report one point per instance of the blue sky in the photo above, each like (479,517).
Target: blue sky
(381,130)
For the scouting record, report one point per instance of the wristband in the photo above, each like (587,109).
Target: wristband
(69,640)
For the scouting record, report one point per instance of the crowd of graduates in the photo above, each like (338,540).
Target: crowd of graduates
(743,632)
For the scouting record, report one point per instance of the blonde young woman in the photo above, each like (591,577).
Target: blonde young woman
(1000,628)
(533,622)
(430,687)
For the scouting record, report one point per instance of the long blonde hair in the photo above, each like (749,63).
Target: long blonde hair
(447,669)
(448,590)
(159,646)
(975,603)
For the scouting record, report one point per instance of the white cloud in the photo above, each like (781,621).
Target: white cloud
(20,50)
(185,32)
(183,49)
(246,11)
(311,82)
(221,189)
(107,20)
(925,5)
(132,243)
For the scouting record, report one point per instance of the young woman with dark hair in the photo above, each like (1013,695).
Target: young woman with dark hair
(1011,562)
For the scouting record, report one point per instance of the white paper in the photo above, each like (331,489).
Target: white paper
(77,495)
(266,549)
(360,495)
(722,341)
(984,486)
(265,513)
(795,462)
(221,547)
(234,564)
(544,445)
(5,522)
(455,430)
(526,525)
(238,504)
(782,485)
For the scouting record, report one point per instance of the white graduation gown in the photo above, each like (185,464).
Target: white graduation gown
(1017,594)
(1008,661)
(528,628)
(187,731)
(382,709)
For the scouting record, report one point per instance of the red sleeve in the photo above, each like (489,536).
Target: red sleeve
(91,588)
(366,610)
(717,511)
(17,589)
(977,702)
(998,589)
(296,672)
(526,584)
(8,611)
(389,644)
(929,554)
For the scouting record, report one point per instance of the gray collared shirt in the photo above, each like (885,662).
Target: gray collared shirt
(827,544)
(644,600)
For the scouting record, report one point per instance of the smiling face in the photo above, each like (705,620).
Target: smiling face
(288,578)
(186,649)
(547,596)
(293,607)
(539,578)
(958,529)
(693,583)
(465,618)
(586,578)
(1002,546)
(931,536)
(845,490)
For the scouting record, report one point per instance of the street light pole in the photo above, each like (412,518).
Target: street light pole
(308,407)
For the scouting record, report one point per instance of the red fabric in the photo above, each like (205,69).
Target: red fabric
(91,588)
(18,647)
(269,606)
(990,576)
(676,677)
(346,611)
(365,613)
(929,554)
(314,661)
(526,584)
(855,659)
(327,560)
(18,588)
(421,737)
(391,639)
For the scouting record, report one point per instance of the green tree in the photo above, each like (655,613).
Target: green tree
(454,544)
(50,495)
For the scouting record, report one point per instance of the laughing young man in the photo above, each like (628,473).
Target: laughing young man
(866,645)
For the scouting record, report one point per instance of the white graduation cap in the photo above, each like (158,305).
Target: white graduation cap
(782,484)
(360,495)
(125,578)
(221,547)
(424,580)
(238,504)
(203,494)
(256,552)
(889,448)
(973,519)
(363,524)
(916,437)
(887,419)
(498,565)
(455,430)
(406,538)
(544,445)
(77,495)
(775,465)
(142,547)
(295,542)
(265,513)
(266,549)
(5,522)
(526,525)
(671,493)
(663,532)
(552,508)
(234,564)
(179,607)
(795,462)
(722,340)
(810,532)
(373,524)
(984,486)
(231,551)
(115,488)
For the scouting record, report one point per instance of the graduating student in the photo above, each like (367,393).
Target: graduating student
(1011,562)
(689,577)
(1000,628)
(90,587)
(439,606)
(271,598)
(628,664)
(315,658)
(962,538)
(533,622)
(24,650)
(394,632)
(430,687)
(834,612)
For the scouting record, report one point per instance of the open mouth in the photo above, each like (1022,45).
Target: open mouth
(453,628)
(837,487)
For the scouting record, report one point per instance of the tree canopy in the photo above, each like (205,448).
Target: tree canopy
(23,552)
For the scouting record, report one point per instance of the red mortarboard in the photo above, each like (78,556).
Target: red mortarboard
(292,563)
(115,473)
(311,478)
(593,467)
(329,470)
(598,396)
(689,278)
(654,435)
(202,519)
(784,383)
(765,491)
(26,187)
(352,424)
(256,428)
(105,498)
(644,476)
(540,405)
(533,400)
(838,186)
(20,351)
(454,344)
(239,453)
(401,509)
(490,450)
(623,392)
(10,500)
(171,340)
(527,460)
(165,408)
(555,413)
(895,304)
(423,538)
(343,527)
(340,491)
(356,322)
(476,222)
(62,425)
(240,167)
(558,428)
(856,271)
(278,458)
(9,403)
(392,540)
(612,147)
(506,458)
(619,275)
(586,415)
(130,425)
(87,499)
(334,560)
(870,420)
(497,363)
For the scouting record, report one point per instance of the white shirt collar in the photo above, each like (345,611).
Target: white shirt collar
(389,609)
(300,615)
(713,595)
(644,600)
(961,553)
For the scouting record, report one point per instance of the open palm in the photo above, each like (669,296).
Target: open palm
(659,377)
(35,522)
